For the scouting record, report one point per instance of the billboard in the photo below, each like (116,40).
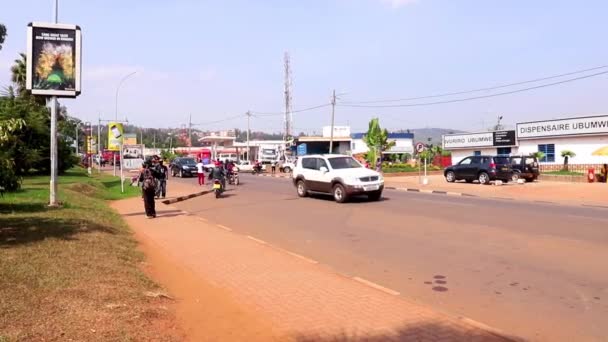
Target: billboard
(130,139)
(53,59)
(133,156)
(484,139)
(91,145)
(115,136)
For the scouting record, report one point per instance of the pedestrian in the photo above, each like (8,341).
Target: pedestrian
(604,173)
(148,190)
(379,165)
(201,172)
(273,167)
(163,174)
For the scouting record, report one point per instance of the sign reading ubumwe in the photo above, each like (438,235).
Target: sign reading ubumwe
(468,140)
(561,127)
(484,139)
(53,59)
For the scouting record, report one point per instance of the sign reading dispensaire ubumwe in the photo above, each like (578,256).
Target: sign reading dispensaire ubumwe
(561,127)
(484,139)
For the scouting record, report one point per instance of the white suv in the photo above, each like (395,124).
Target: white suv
(339,175)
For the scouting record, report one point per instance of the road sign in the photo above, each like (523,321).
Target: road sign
(302,150)
(420,147)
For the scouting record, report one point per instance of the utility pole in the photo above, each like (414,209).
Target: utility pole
(54,155)
(99,141)
(333,112)
(288,118)
(248,149)
(190,131)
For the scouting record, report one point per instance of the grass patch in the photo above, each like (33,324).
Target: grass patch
(72,273)
(564,173)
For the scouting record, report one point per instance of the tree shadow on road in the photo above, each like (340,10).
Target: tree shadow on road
(26,230)
(427,331)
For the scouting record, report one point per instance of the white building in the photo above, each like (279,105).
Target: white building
(587,137)
(404,143)
(482,143)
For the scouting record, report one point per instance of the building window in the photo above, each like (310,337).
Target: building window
(505,151)
(476,153)
(549,151)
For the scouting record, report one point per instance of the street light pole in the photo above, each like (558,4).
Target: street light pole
(118,88)
(54,154)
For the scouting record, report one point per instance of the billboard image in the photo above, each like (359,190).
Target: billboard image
(53,59)
(115,136)
(133,156)
(130,139)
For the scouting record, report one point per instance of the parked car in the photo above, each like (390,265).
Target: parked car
(183,167)
(525,167)
(244,166)
(339,175)
(481,168)
(287,166)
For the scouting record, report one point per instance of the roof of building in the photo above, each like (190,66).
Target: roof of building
(321,139)
(390,135)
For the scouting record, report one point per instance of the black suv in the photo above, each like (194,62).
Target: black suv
(481,168)
(525,167)
(183,167)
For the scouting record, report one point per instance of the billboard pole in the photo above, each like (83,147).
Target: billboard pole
(53,185)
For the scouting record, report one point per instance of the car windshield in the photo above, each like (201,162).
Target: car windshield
(188,161)
(343,163)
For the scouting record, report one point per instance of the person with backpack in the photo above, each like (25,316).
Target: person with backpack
(149,190)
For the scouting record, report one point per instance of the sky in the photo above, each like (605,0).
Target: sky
(217,59)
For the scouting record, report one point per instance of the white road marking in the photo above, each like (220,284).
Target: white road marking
(257,240)
(224,227)
(376,286)
(202,219)
(302,257)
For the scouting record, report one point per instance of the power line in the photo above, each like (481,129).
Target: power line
(293,111)
(481,89)
(475,97)
(219,121)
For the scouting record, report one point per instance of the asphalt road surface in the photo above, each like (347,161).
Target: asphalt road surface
(536,270)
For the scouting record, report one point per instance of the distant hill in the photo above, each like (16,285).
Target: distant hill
(422,134)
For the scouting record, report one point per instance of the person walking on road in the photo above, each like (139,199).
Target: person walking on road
(163,174)
(273,167)
(149,190)
(201,172)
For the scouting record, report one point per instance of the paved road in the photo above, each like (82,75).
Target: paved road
(535,270)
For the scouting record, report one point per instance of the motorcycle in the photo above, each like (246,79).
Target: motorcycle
(256,169)
(217,188)
(234,178)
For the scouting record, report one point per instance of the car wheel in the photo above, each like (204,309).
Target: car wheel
(287,169)
(181,173)
(301,186)
(450,176)
(483,178)
(515,177)
(339,193)
(375,196)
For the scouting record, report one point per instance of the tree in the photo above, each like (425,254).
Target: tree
(2,34)
(9,180)
(567,154)
(376,140)
(19,73)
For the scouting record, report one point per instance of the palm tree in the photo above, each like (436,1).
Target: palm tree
(567,154)
(538,155)
(19,74)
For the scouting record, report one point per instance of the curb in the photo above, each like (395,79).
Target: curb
(437,192)
(187,197)
(271,175)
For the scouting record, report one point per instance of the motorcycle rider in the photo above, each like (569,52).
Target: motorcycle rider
(229,169)
(218,172)
(258,166)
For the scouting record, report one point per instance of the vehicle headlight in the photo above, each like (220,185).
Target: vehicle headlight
(185,167)
(380,178)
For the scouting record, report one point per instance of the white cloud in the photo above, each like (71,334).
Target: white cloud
(399,3)
(207,74)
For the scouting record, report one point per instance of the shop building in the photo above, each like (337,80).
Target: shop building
(587,137)
(482,143)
